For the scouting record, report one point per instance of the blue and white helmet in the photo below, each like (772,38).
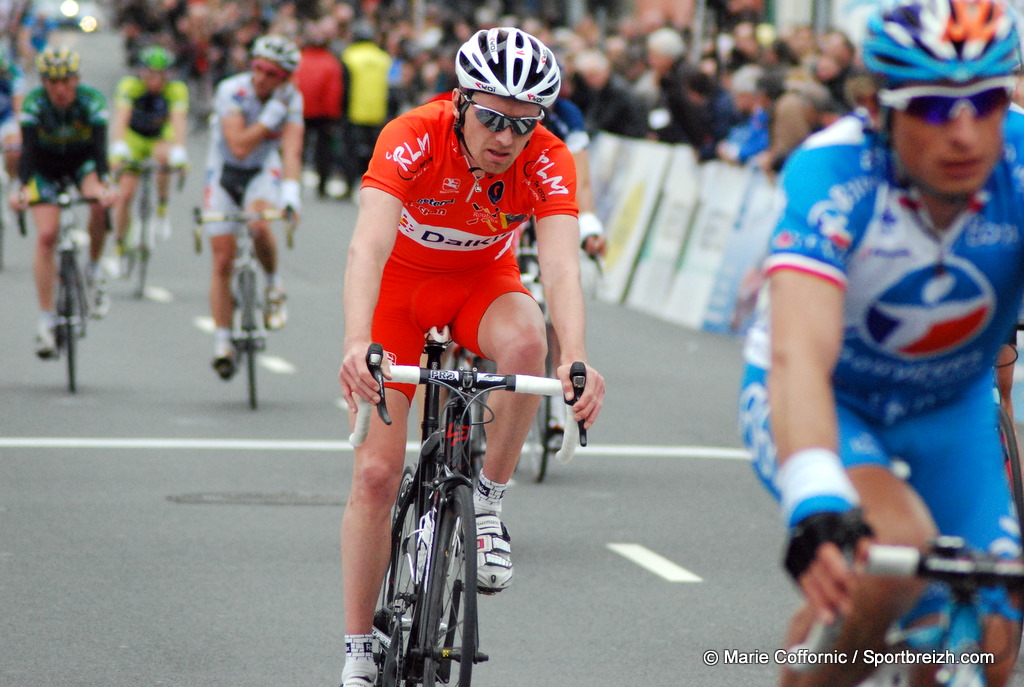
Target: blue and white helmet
(942,40)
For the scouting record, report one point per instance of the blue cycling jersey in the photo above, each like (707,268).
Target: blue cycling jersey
(12,83)
(925,312)
(565,120)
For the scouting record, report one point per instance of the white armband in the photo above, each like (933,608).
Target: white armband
(590,225)
(178,156)
(290,194)
(813,480)
(119,150)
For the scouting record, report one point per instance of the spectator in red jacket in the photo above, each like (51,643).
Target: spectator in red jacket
(319,79)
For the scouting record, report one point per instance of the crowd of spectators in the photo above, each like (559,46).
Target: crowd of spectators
(751,96)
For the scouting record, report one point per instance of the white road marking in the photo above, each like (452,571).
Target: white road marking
(617,450)
(204,323)
(275,364)
(655,563)
(158,294)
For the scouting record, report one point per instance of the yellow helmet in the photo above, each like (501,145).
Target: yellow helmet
(57,63)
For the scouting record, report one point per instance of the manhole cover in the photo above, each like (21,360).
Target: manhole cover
(288,498)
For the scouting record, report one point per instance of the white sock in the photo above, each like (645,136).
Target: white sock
(274,281)
(47,319)
(358,657)
(488,495)
(221,341)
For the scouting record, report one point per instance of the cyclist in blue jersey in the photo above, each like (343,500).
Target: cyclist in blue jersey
(12,93)
(894,277)
(565,120)
(64,136)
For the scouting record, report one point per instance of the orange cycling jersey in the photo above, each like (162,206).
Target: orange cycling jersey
(450,220)
(454,253)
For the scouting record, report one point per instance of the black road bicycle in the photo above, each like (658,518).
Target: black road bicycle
(138,243)
(426,619)
(71,303)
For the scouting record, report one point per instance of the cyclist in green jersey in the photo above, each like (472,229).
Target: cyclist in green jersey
(150,121)
(64,136)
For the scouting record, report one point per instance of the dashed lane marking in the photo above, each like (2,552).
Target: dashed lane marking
(655,563)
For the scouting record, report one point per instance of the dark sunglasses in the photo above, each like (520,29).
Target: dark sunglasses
(497,121)
(940,104)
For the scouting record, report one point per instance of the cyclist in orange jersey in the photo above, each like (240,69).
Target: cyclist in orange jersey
(447,188)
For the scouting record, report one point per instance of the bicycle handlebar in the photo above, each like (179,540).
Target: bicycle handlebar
(522,384)
(288,215)
(64,200)
(948,560)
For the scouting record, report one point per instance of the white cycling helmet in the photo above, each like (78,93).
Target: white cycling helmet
(278,50)
(510,63)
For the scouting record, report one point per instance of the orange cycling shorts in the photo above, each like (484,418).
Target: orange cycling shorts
(412,301)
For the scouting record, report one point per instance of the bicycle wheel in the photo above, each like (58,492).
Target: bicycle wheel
(141,253)
(1011,454)
(247,323)
(144,239)
(449,633)
(67,312)
(246,348)
(393,621)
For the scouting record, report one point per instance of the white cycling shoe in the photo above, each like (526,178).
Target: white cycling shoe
(493,554)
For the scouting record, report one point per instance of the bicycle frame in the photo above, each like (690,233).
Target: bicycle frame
(248,334)
(429,591)
(70,302)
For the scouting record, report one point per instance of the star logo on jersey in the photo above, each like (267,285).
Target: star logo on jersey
(930,312)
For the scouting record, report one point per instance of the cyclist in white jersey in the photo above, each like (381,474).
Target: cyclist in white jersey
(254,164)
(895,277)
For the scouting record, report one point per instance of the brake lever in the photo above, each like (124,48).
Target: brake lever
(374,358)
(578,377)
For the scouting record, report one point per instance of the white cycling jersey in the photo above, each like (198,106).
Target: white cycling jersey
(236,95)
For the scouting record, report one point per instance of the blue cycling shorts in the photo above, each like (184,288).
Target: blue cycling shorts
(954,459)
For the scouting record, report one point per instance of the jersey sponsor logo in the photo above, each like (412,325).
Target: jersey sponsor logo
(495,192)
(981,233)
(447,238)
(930,312)
(546,181)
(450,185)
(496,220)
(434,202)
(411,158)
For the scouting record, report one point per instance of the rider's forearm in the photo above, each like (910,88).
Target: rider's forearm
(291,151)
(584,190)
(179,125)
(99,151)
(29,153)
(119,125)
(362,289)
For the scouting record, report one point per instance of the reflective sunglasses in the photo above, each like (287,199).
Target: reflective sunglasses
(497,121)
(940,104)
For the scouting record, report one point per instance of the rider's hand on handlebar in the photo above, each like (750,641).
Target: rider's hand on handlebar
(18,200)
(588,407)
(355,377)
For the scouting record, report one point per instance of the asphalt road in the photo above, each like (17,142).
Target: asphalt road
(155,530)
